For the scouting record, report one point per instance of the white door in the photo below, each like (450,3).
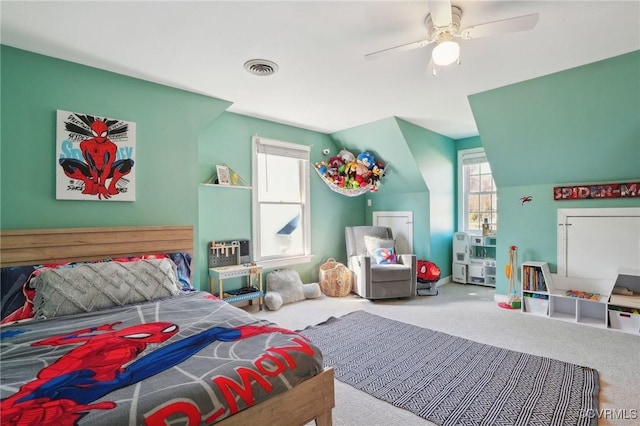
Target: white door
(598,243)
(401,224)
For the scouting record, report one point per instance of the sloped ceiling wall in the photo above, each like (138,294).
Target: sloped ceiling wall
(576,126)
(385,140)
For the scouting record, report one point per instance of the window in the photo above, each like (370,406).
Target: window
(477,196)
(281,217)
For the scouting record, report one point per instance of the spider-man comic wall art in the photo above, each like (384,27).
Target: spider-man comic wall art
(95,158)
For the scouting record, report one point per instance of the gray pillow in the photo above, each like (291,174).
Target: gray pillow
(93,286)
(287,282)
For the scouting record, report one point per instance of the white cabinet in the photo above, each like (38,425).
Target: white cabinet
(534,290)
(474,259)
(476,272)
(482,263)
(459,273)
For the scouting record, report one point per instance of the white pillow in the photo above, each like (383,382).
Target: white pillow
(372,244)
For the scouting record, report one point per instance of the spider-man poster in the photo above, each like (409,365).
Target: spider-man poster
(94,158)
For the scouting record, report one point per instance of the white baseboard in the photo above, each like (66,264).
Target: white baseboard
(500,298)
(443,281)
(496,297)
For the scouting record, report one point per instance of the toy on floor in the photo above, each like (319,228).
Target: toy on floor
(428,276)
(583,294)
(285,286)
(513,301)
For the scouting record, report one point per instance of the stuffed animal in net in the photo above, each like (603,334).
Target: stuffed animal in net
(285,286)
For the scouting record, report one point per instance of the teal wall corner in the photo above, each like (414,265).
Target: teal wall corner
(225,213)
(420,180)
(573,127)
(168,122)
(565,127)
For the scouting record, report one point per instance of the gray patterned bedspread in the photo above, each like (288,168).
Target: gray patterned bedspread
(190,359)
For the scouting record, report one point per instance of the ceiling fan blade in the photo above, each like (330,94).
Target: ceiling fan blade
(401,48)
(512,25)
(440,11)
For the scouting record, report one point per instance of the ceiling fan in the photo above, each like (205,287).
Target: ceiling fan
(443,26)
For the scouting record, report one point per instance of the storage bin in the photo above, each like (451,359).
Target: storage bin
(536,306)
(336,280)
(625,321)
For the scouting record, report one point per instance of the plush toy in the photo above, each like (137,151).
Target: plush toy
(346,156)
(377,171)
(336,162)
(367,159)
(350,168)
(285,286)
(363,170)
(347,171)
(363,166)
(322,168)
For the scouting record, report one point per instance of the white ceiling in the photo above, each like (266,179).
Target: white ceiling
(324,83)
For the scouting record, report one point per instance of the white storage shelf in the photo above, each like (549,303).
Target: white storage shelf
(546,294)
(482,260)
(591,311)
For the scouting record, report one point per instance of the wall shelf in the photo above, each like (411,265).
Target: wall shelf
(236,181)
(225,186)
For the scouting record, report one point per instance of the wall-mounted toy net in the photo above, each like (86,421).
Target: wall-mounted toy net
(351,176)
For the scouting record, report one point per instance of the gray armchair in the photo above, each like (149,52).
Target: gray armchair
(378,281)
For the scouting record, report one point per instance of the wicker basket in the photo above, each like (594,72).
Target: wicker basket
(336,280)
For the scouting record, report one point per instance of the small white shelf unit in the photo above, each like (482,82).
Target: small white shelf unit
(581,300)
(482,261)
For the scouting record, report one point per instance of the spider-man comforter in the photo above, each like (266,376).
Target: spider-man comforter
(191,357)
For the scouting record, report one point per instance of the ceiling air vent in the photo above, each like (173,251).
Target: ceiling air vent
(261,67)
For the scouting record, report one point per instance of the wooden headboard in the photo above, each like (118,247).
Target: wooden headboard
(42,246)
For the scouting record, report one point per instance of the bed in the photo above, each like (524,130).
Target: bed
(164,357)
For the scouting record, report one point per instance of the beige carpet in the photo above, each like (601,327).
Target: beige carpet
(470,311)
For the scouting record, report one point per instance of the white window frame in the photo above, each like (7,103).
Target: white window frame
(476,154)
(296,151)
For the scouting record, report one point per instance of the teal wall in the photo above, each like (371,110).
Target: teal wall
(385,140)
(225,213)
(168,123)
(415,202)
(468,143)
(419,178)
(566,127)
(176,130)
(577,126)
(435,155)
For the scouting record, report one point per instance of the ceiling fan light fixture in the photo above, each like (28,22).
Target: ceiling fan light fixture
(446,53)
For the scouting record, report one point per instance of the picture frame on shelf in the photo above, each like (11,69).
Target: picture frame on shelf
(223,175)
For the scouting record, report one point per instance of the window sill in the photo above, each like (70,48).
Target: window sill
(287,261)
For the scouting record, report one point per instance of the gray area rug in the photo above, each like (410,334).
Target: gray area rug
(449,380)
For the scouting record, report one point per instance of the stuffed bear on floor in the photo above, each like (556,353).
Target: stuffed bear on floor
(285,286)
